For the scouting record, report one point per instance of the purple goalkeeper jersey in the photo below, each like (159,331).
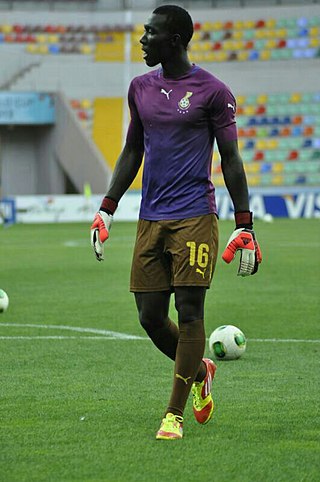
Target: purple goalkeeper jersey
(177,120)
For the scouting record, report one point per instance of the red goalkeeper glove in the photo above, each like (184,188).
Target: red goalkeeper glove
(101,226)
(243,240)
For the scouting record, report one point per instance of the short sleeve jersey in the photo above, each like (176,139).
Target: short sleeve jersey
(176,121)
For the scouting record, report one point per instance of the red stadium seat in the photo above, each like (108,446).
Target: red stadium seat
(217,46)
(293,155)
(259,156)
(281,44)
(18,28)
(261,109)
(228,25)
(260,23)
(297,119)
(285,131)
(75,104)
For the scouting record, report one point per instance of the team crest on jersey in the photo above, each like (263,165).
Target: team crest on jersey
(184,103)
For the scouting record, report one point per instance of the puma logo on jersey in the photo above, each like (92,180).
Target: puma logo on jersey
(231,106)
(162,91)
(201,272)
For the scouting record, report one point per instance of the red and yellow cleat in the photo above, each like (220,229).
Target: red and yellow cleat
(203,405)
(171,428)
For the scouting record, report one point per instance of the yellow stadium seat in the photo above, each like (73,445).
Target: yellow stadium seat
(314,31)
(243,55)
(7,28)
(207,46)
(314,42)
(272,144)
(237,34)
(295,98)
(252,168)
(262,99)
(215,25)
(281,33)
(271,43)
(261,144)
(260,34)
(41,39)
(221,56)
(238,45)
(265,54)
(271,33)
(248,24)
(197,57)
(254,180)
(43,49)
(86,104)
(238,25)
(241,99)
(277,167)
(227,45)
(195,47)
(53,39)
(277,180)
(208,56)
(32,49)
(271,23)
(86,49)
(249,109)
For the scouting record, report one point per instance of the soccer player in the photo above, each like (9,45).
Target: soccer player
(177,111)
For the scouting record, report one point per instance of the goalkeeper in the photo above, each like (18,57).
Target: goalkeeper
(177,112)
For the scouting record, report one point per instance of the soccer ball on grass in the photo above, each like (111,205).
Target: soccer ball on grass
(227,342)
(4,301)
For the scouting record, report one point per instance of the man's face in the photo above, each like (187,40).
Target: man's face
(156,41)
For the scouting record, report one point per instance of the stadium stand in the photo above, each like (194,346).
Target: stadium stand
(263,56)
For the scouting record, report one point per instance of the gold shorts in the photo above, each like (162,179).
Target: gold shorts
(174,253)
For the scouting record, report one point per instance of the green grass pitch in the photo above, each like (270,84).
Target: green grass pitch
(80,405)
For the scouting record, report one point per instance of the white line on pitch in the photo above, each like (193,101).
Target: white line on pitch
(71,337)
(282,340)
(106,333)
(114,335)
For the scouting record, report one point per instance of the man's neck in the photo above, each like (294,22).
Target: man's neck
(176,67)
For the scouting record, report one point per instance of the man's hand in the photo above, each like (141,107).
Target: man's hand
(101,226)
(100,233)
(243,239)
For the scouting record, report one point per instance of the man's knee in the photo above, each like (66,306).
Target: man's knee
(153,310)
(189,303)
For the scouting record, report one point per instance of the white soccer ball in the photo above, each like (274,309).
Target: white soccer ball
(227,342)
(4,301)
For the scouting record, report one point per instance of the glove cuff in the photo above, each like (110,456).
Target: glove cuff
(108,205)
(244,219)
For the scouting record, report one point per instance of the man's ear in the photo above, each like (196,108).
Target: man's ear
(175,40)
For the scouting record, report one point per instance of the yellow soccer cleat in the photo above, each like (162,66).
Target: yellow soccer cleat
(171,428)
(203,405)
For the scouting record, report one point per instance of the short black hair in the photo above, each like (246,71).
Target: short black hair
(178,21)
